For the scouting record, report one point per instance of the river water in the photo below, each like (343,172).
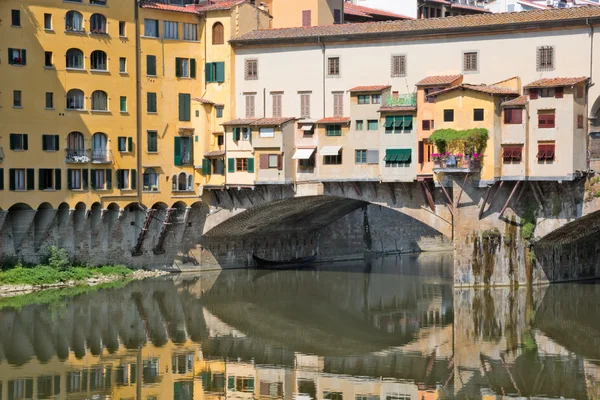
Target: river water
(385,329)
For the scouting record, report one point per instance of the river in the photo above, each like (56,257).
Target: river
(386,329)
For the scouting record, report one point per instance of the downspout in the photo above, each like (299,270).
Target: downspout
(205,53)
(324,70)
(138,103)
(591,83)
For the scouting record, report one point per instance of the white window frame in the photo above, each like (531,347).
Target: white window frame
(171,30)
(275,158)
(266,132)
(190,32)
(19,177)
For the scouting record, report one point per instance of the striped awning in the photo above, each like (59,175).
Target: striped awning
(398,155)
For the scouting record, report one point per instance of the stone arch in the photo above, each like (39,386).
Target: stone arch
(180,205)
(113,207)
(64,206)
(20,207)
(160,206)
(80,206)
(45,206)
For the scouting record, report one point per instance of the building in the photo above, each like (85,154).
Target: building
(287,13)
(358,13)
(420,9)
(498,6)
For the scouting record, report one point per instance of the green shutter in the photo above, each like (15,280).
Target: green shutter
(12,141)
(119,147)
(208,72)
(152,107)
(25,142)
(69,181)
(109,179)
(56,142)
(10,61)
(408,122)
(57,179)
(251,165)
(192,67)
(30,179)
(130,144)
(184,107)
(44,147)
(236,134)
(150,65)
(93,180)
(250,384)
(84,179)
(206,166)
(11,179)
(123,103)
(177,151)
(1,178)
(177,67)
(41,179)
(231,165)
(220,72)
(133,178)
(231,379)
(23,57)
(119,178)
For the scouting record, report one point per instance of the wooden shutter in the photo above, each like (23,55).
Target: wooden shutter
(373,156)
(558,93)
(236,134)
(251,165)
(533,94)
(10,61)
(280,162)
(119,178)
(108,178)
(338,104)
(184,107)
(69,179)
(44,146)
(337,16)
(178,67)
(130,144)
(177,151)
(25,142)
(231,165)
(41,179)
(421,152)
(206,166)
(151,65)
(1,178)
(517,116)
(30,179)
(192,67)
(277,105)
(84,178)
(11,179)
(306,18)
(133,178)
(250,102)
(263,161)
(220,72)
(209,72)
(93,179)
(56,142)
(23,57)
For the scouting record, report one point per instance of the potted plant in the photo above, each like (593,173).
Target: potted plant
(154,188)
(146,188)
(475,161)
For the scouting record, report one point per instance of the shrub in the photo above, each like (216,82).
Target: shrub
(58,258)
(597,193)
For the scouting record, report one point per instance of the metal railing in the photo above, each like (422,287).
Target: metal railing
(101,156)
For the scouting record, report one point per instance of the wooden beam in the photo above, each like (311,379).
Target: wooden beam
(341,185)
(461,190)
(487,194)
(237,197)
(214,193)
(375,188)
(448,199)
(259,191)
(230,197)
(537,196)
(408,191)
(495,195)
(523,186)
(356,188)
(512,193)
(428,196)
(391,186)
(248,196)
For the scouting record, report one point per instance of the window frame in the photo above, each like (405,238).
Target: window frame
(187,28)
(333,130)
(546,119)
(465,62)
(363,99)
(241,164)
(360,156)
(333,66)
(122,65)
(448,117)
(509,118)
(17,99)
(218,33)
(156,26)
(542,56)
(50,97)
(476,111)
(168,30)
(333,160)
(372,125)
(398,66)
(48,25)
(251,69)
(151,139)
(360,125)
(272,157)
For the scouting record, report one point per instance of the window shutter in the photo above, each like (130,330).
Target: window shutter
(11,179)
(56,142)
(69,180)
(558,93)
(517,116)
(231,165)
(44,147)
(373,156)
(1,178)
(280,162)
(421,152)
(30,179)
(177,151)
(25,142)
(236,134)
(220,72)
(23,57)
(306,17)
(130,144)
(93,180)
(178,67)
(57,179)
(150,65)
(251,165)
(133,178)
(184,107)
(192,67)
(208,72)
(206,166)
(119,178)
(84,178)
(41,179)
(263,161)
(10,61)
(12,141)
(533,94)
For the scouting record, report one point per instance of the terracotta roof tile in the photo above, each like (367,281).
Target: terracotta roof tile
(369,12)
(397,108)
(373,88)
(438,80)
(168,7)
(239,121)
(203,100)
(217,5)
(334,120)
(272,121)
(489,89)
(518,102)
(555,82)
(216,153)
(393,29)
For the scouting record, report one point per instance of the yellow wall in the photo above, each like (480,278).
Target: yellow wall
(287,14)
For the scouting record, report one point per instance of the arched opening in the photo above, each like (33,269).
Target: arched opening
(98,24)
(150,181)
(75,146)
(99,101)
(75,100)
(182,181)
(99,147)
(74,59)
(218,33)
(98,60)
(174,182)
(73,21)
(159,206)
(190,182)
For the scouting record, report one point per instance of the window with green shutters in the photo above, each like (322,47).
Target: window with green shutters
(231,379)
(123,103)
(184,107)
(49,179)
(333,130)
(215,72)
(151,65)
(206,167)
(50,142)
(1,178)
(122,143)
(18,141)
(185,67)
(251,165)
(183,151)
(151,106)
(231,165)
(152,141)
(397,157)
(398,123)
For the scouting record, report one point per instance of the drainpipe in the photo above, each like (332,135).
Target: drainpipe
(591,83)
(205,53)
(138,96)
(324,70)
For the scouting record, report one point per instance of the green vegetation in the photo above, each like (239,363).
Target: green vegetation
(528,221)
(597,193)
(471,140)
(556,206)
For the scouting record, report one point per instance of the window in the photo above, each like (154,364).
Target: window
(333,66)
(75,181)
(580,121)
(49,100)
(399,123)
(333,130)
(215,72)
(546,92)
(220,140)
(580,91)
(151,65)
(98,61)
(75,145)
(74,59)
(512,154)
(18,141)
(470,61)
(338,104)
(559,92)
(219,112)
(545,58)
(277,107)
(50,142)
(48,22)
(376,99)
(337,16)
(122,179)
(427,91)
(218,33)
(305,105)
(152,141)
(99,147)
(241,164)
(478,114)
(74,22)
(546,118)
(373,125)
(98,24)
(359,125)
(123,104)
(151,28)
(398,66)
(426,124)
(241,133)
(448,115)
(17,56)
(122,31)
(364,99)
(170,30)
(15,18)
(190,32)
(151,106)
(48,59)
(361,157)
(75,100)
(99,179)
(306,18)
(395,158)
(122,65)
(266,132)
(251,70)
(99,101)
(122,144)
(185,109)
(513,116)
(183,150)
(333,160)
(546,151)
(46,178)
(17,98)
(17,179)
(250,100)
(150,180)
(185,67)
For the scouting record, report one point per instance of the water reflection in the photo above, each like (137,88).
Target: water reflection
(388,329)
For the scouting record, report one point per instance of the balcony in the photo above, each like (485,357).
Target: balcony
(459,151)
(403,100)
(456,163)
(77,156)
(101,156)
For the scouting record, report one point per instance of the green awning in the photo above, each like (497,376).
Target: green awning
(398,155)
(398,122)
(389,122)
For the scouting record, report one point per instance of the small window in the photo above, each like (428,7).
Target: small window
(18,179)
(152,141)
(17,57)
(373,125)
(426,124)
(74,22)
(513,116)
(306,18)
(364,99)
(50,142)
(251,70)
(580,91)
(241,164)
(545,58)
(48,22)
(273,161)
(266,132)
(182,67)
(98,179)
(547,92)
(49,100)
(448,115)
(151,28)
(338,104)
(333,160)
(512,155)
(398,66)
(75,100)
(333,130)
(359,125)
(470,61)
(220,140)
(580,121)
(151,65)
(219,112)
(376,99)
(122,32)
(74,59)
(337,16)
(333,68)
(245,133)
(190,32)
(99,101)
(122,179)
(122,65)
(48,59)
(18,141)
(305,105)
(546,151)
(122,144)
(250,102)
(151,106)
(277,104)
(218,33)
(75,179)
(170,30)
(98,24)
(546,118)
(98,61)
(478,114)
(361,157)
(17,99)
(15,18)
(123,104)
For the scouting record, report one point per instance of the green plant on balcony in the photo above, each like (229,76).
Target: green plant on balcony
(467,142)
(403,100)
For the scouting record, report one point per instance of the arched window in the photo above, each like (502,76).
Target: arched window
(75,145)
(99,101)
(218,33)
(190,182)
(98,24)
(98,60)
(75,100)
(182,181)
(150,179)
(174,182)
(73,21)
(74,58)
(99,151)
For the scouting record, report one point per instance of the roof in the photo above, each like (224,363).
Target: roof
(258,121)
(518,102)
(373,88)
(397,108)
(216,153)
(218,5)
(334,120)
(167,7)
(368,12)
(532,4)
(203,100)
(459,6)
(239,121)
(437,80)
(418,28)
(556,82)
(489,89)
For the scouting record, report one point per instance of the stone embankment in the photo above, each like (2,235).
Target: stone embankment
(16,290)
